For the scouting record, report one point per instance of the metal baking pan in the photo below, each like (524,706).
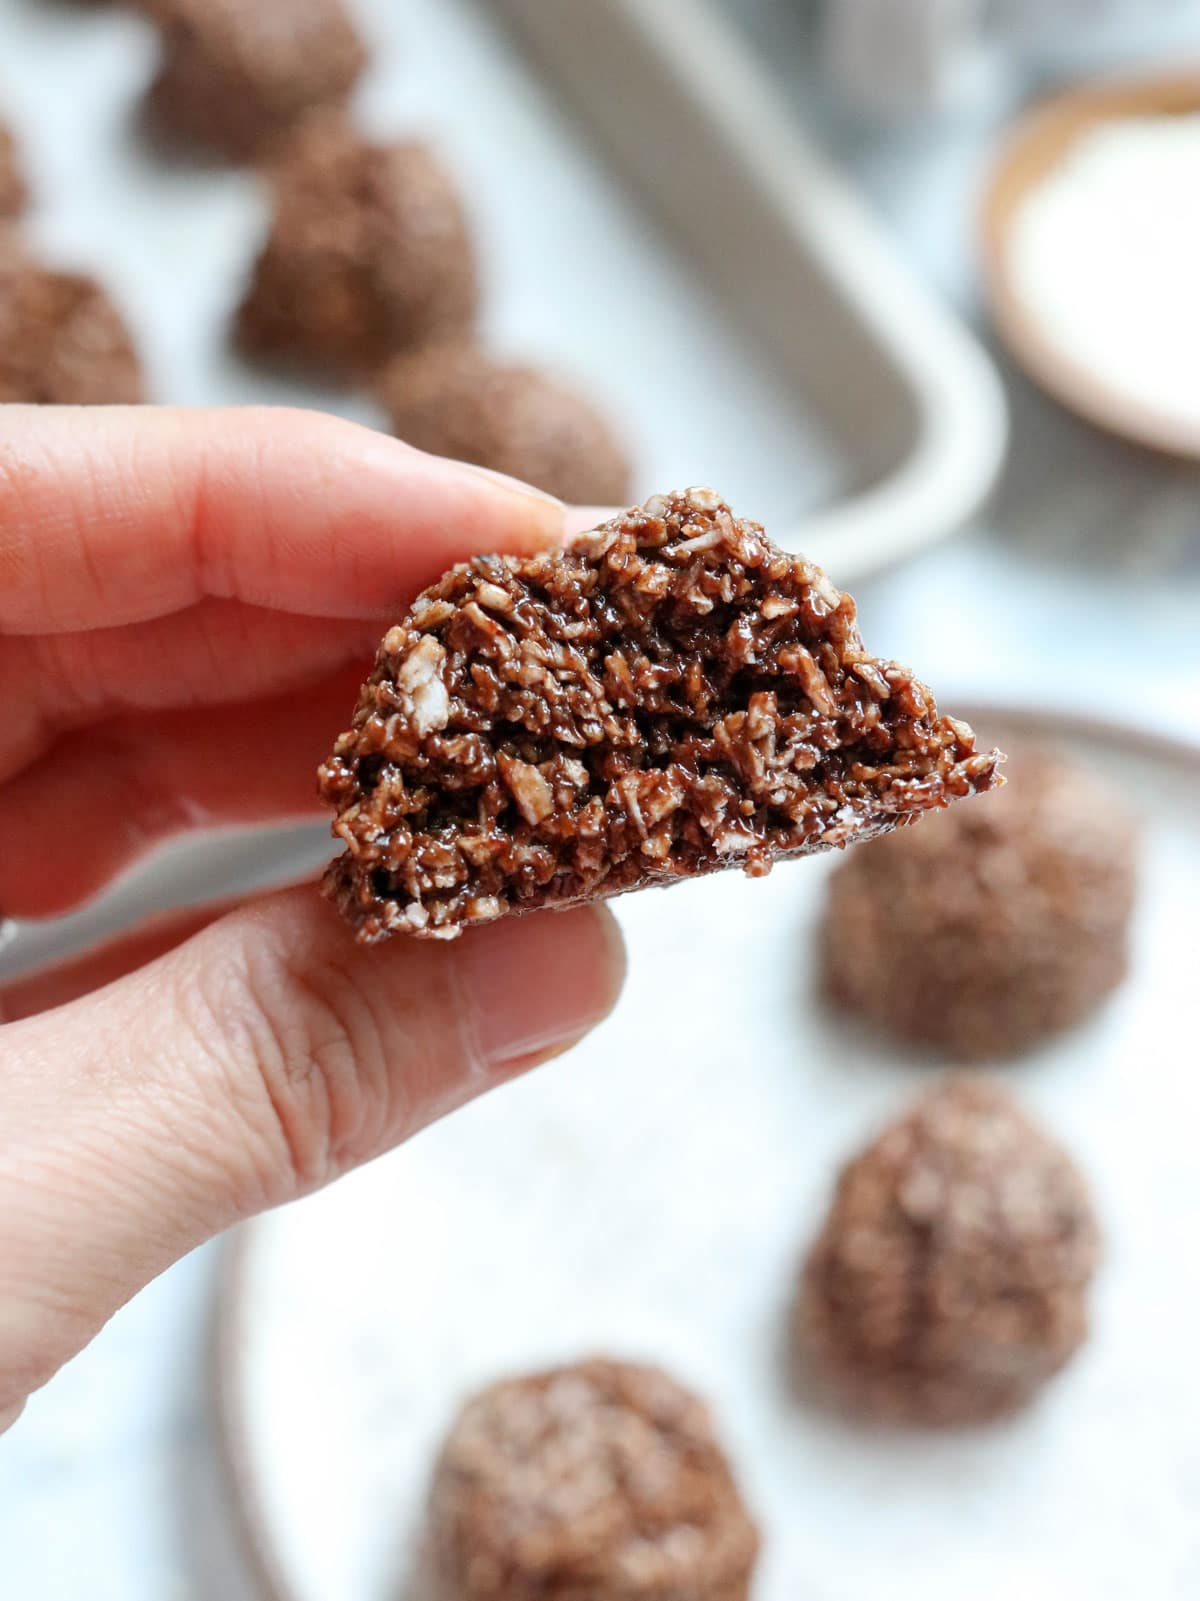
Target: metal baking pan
(906,393)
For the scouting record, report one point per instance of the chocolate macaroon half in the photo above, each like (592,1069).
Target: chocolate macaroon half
(669,696)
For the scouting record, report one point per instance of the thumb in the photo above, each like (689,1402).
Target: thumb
(252,1064)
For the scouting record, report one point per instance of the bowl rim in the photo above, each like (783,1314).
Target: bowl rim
(1034,146)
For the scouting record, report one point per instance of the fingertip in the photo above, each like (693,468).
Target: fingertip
(533,986)
(551,506)
(470,509)
(584,519)
(10,1415)
(524,519)
(614,963)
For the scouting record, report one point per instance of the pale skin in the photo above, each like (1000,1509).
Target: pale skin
(188,601)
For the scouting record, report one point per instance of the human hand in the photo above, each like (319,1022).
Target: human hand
(188,602)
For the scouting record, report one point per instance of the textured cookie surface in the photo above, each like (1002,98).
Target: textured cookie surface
(602,1481)
(949,1282)
(997,925)
(670,696)
(369,254)
(455,400)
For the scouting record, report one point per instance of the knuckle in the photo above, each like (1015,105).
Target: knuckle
(308,1056)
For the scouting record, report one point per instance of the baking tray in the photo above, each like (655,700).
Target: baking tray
(651,1195)
(677,96)
(857,394)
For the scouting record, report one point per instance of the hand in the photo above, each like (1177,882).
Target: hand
(188,602)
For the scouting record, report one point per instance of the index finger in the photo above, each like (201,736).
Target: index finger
(116,515)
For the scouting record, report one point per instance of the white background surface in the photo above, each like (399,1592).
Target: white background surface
(1083,582)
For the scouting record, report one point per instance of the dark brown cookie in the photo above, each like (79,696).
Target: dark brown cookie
(455,400)
(62,341)
(597,1482)
(369,254)
(13,193)
(950,1280)
(994,927)
(669,696)
(237,74)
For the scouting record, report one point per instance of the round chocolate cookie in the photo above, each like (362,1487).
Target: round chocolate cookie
(13,194)
(369,254)
(950,1279)
(62,341)
(455,400)
(992,926)
(235,74)
(596,1482)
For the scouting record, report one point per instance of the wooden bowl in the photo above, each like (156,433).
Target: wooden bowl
(1036,146)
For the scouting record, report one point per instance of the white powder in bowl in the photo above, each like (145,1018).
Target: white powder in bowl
(1105,255)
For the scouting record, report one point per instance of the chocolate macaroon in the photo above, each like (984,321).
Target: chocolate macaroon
(950,1279)
(369,254)
(995,927)
(62,340)
(13,194)
(602,1481)
(456,400)
(669,696)
(235,75)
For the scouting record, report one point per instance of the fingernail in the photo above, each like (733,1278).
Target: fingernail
(515,485)
(535,985)
(394,455)
(582,520)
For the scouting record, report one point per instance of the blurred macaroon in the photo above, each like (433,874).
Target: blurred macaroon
(456,400)
(235,75)
(62,340)
(990,928)
(13,192)
(597,1480)
(369,254)
(950,1279)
